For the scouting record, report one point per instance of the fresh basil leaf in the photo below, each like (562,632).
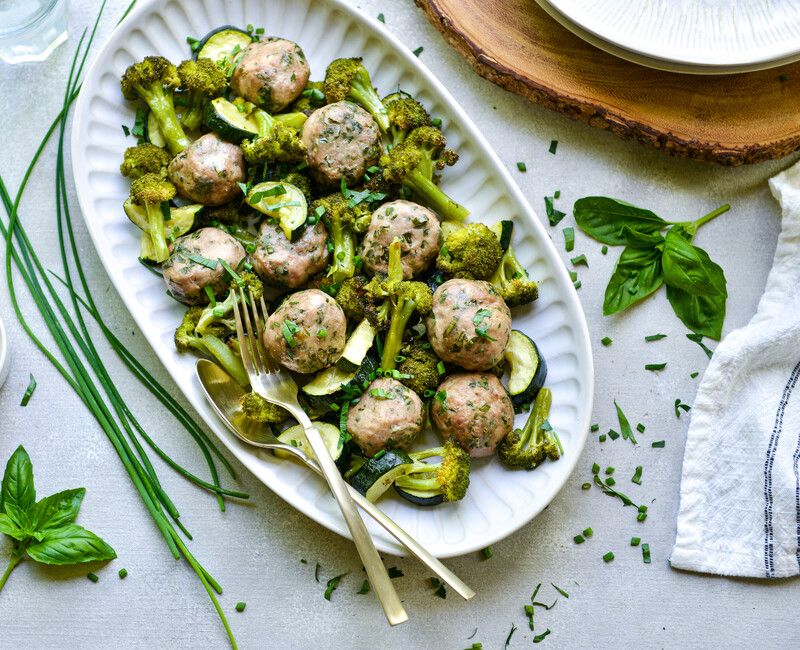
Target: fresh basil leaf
(637,274)
(18,486)
(58,509)
(18,516)
(70,544)
(703,314)
(8,527)
(603,219)
(689,267)
(636,239)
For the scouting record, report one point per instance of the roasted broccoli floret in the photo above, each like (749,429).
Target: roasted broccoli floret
(405,114)
(151,191)
(349,79)
(421,363)
(512,282)
(249,282)
(351,296)
(211,343)
(312,97)
(449,478)
(202,80)
(411,165)
(144,159)
(277,141)
(257,408)
(300,181)
(340,218)
(154,80)
(470,252)
(527,447)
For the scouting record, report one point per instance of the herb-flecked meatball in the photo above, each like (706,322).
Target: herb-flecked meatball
(474,411)
(187,271)
(271,73)
(469,324)
(282,262)
(416,226)
(208,171)
(342,141)
(306,332)
(388,415)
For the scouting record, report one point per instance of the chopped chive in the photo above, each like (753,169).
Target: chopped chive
(613,434)
(579,260)
(577,284)
(659,444)
(604,250)
(640,427)
(654,337)
(698,338)
(212,299)
(608,556)
(123,573)
(521,166)
(316,571)
(602,437)
(553,146)
(529,613)
(92,577)
(437,122)
(595,427)
(587,533)
(572,275)
(438,587)
(624,425)
(333,583)
(586,486)
(578,539)
(694,375)
(540,637)
(610,481)
(365,588)
(646,553)
(419,51)
(553,215)
(240,606)
(680,406)
(637,475)
(609,471)
(606,341)
(440,367)
(126,130)
(559,589)
(194,44)
(557,194)
(487,552)
(382,18)
(510,634)
(635,541)
(655,366)
(394,572)
(569,238)
(595,468)
(26,397)
(202,261)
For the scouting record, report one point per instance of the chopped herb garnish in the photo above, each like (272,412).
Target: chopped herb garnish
(510,634)
(289,329)
(382,18)
(437,122)
(26,397)
(199,259)
(610,481)
(123,573)
(381,393)
(694,375)
(322,333)
(640,427)
(595,427)
(578,539)
(540,637)
(608,556)
(553,146)
(587,533)
(521,166)
(240,606)
(234,275)
(137,129)
(604,250)
(418,51)
(579,260)
(365,588)
(569,238)
(438,587)
(316,571)
(394,572)
(655,366)
(654,337)
(92,577)
(577,284)
(635,541)
(602,437)
(637,475)
(529,611)
(553,215)
(613,434)
(441,396)
(624,425)
(194,43)
(606,341)
(659,444)
(332,584)
(126,130)
(609,471)
(680,406)
(595,468)
(646,553)
(586,486)
(559,589)
(698,338)
(487,552)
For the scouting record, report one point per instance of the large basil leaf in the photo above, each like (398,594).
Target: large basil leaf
(70,544)
(17,486)
(689,268)
(603,219)
(10,528)
(637,274)
(58,509)
(703,314)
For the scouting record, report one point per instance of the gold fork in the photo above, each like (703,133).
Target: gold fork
(279,387)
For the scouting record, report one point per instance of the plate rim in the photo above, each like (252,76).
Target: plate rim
(245,454)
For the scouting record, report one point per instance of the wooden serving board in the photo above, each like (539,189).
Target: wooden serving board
(731,120)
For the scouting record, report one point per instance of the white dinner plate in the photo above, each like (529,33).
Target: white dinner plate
(691,36)
(499,501)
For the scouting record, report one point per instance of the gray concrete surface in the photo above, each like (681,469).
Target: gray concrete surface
(255,549)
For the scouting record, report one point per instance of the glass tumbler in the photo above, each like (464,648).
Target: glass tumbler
(31,29)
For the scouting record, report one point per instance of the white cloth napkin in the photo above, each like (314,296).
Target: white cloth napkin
(740,490)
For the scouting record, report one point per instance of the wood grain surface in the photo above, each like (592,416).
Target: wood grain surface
(730,119)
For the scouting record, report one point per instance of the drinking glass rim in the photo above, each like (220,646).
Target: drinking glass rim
(37,18)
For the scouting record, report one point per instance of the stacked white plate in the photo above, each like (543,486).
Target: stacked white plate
(688,36)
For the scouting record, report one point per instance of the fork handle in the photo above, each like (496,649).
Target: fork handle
(376,571)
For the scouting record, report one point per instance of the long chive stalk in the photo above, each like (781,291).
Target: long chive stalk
(73,366)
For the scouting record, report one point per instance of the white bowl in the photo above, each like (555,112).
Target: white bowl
(4,354)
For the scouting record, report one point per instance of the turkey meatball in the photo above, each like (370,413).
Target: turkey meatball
(208,171)
(187,278)
(474,411)
(282,262)
(342,141)
(417,227)
(388,416)
(306,333)
(469,324)
(272,73)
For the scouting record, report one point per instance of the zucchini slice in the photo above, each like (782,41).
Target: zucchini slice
(378,474)
(282,201)
(225,118)
(181,221)
(296,436)
(526,367)
(328,381)
(154,135)
(220,44)
(503,230)
(419,498)
(356,348)
(449,227)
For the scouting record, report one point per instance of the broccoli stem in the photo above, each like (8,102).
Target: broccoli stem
(160,102)
(213,314)
(508,269)
(368,98)
(343,265)
(155,222)
(293,120)
(264,122)
(413,480)
(216,348)
(532,431)
(431,195)
(394,338)
(192,118)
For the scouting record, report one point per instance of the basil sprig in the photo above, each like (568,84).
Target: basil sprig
(44,530)
(696,286)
